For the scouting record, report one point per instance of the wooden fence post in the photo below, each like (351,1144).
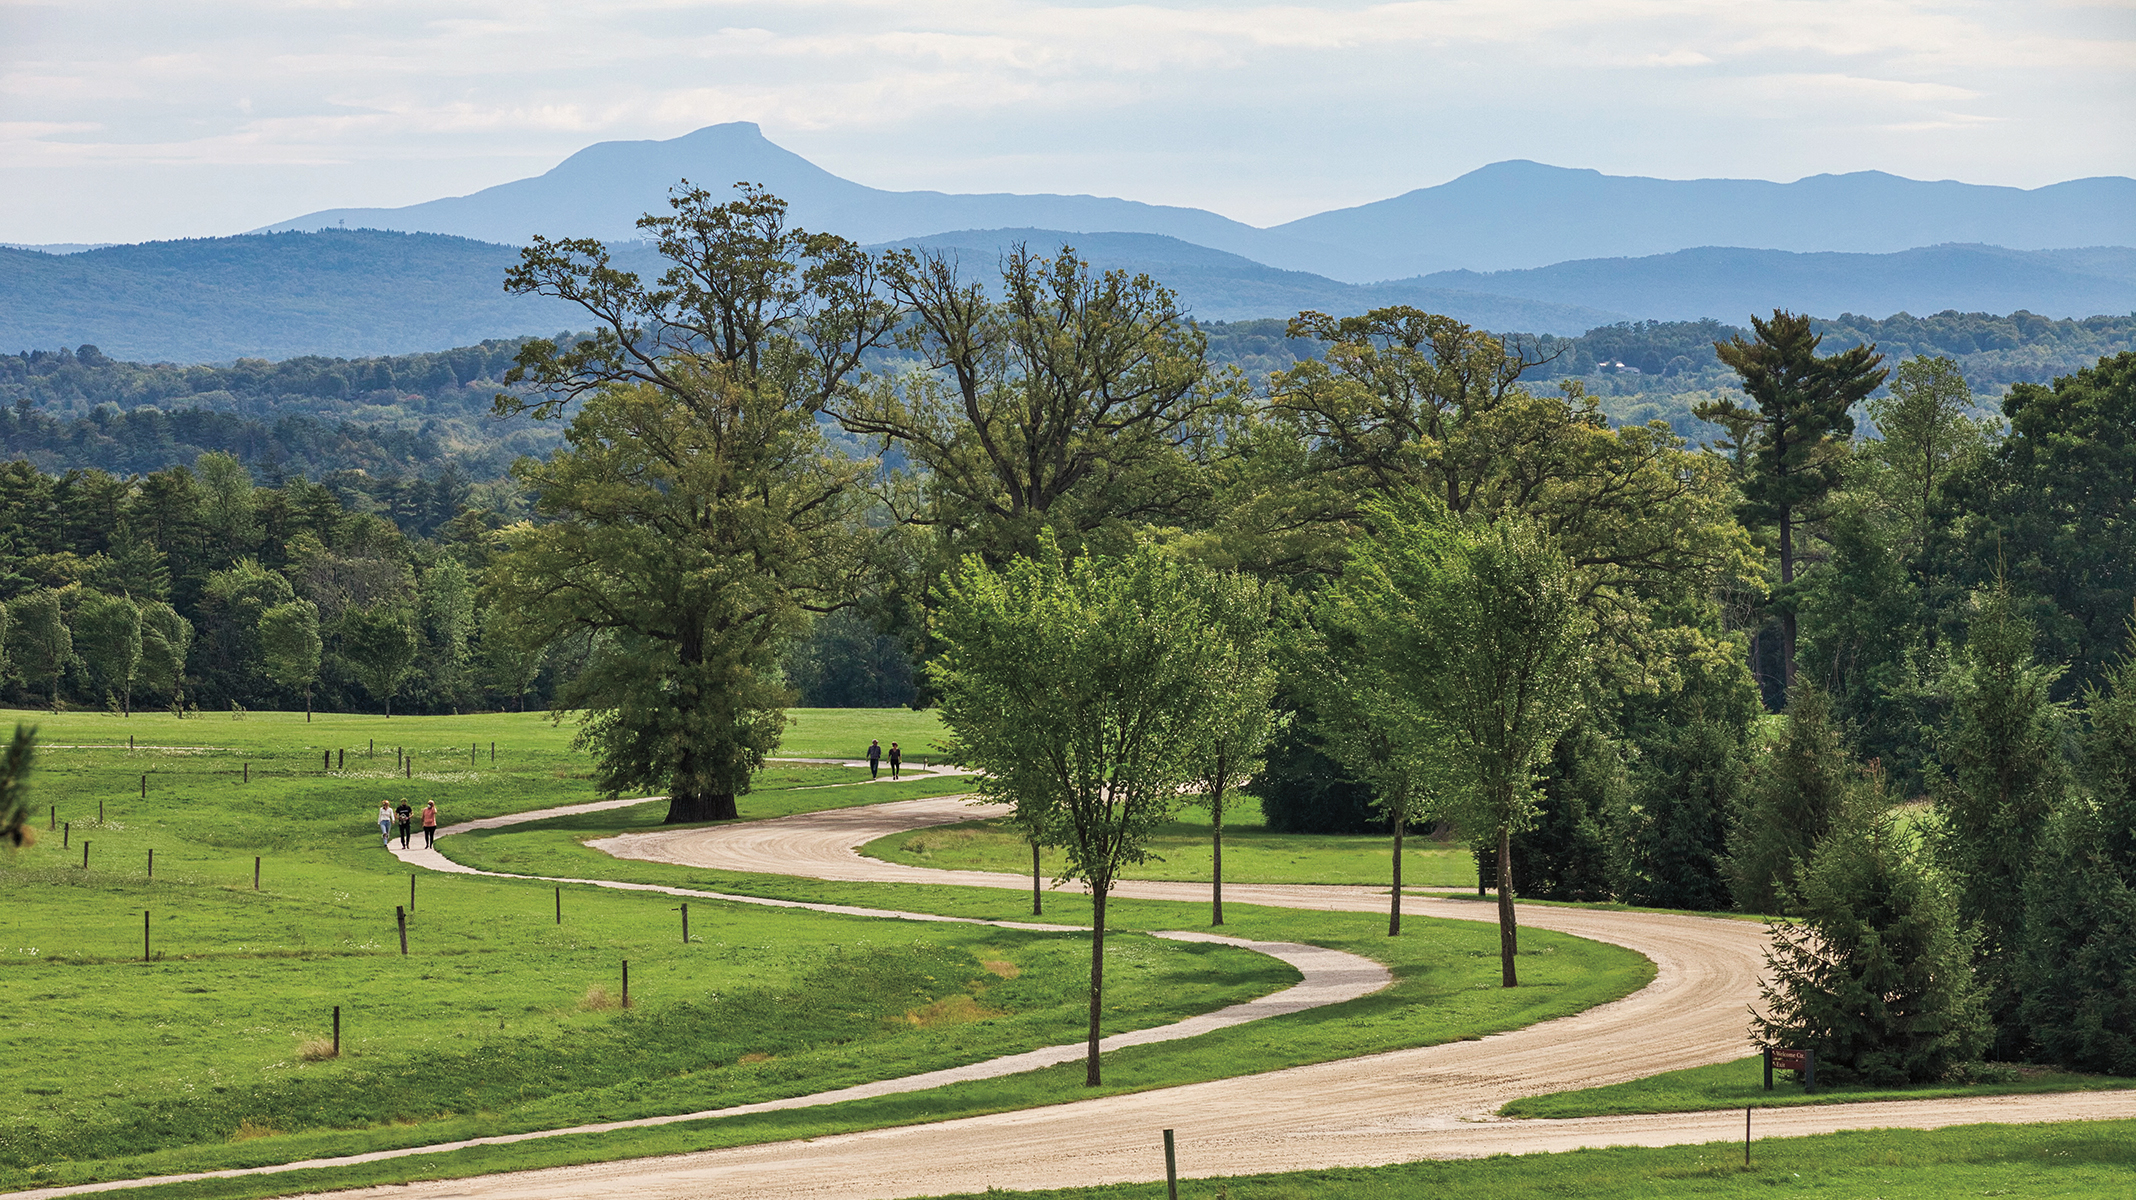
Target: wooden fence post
(400,917)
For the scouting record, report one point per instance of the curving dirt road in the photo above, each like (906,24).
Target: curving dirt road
(1434,1102)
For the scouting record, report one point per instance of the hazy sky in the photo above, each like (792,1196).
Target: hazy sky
(121,121)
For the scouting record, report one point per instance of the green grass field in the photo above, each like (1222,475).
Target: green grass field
(1181,850)
(1742,1082)
(500,1019)
(2094,1160)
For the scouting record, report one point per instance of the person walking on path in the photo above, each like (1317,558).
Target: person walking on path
(875,758)
(895,758)
(401,813)
(385,825)
(430,823)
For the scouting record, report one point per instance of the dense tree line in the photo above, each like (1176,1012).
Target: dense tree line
(394,415)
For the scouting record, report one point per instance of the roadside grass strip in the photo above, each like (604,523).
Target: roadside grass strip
(1180,850)
(2091,1159)
(1742,1082)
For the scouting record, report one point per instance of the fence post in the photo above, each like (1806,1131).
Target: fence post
(255,872)
(1171,1168)
(400,916)
(151,864)
(685,924)
(411,891)
(337,1031)
(144,785)
(559,905)
(1768,1068)
(248,772)
(144,935)
(626,983)
(1746,1135)
(85,854)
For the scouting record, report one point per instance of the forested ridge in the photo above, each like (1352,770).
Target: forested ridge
(1865,654)
(415,414)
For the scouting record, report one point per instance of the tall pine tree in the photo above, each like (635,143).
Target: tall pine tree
(1794,435)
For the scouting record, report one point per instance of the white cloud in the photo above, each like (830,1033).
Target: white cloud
(1261,111)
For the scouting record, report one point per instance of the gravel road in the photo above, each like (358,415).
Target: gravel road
(1434,1102)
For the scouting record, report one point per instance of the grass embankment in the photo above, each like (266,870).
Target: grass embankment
(1180,850)
(206,1057)
(2087,1159)
(1742,1082)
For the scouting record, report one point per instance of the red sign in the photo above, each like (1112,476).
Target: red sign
(1790,1060)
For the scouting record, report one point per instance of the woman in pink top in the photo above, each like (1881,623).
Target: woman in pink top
(430,823)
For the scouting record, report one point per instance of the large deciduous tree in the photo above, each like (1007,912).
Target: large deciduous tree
(1480,631)
(107,635)
(290,645)
(1072,402)
(2054,503)
(1084,691)
(694,512)
(380,645)
(1793,435)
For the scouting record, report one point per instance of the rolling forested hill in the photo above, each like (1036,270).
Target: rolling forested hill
(415,415)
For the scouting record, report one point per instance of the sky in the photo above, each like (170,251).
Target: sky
(128,121)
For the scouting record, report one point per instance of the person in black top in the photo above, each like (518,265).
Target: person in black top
(895,758)
(401,814)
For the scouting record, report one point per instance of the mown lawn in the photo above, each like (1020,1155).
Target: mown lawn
(1742,1082)
(1181,850)
(2095,1160)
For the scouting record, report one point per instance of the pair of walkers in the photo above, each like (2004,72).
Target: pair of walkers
(404,816)
(875,759)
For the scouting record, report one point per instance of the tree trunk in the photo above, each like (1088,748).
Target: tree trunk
(307,704)
(1097,977)
(1787,614)
(1508,931)
(1394,911)
(685,809)
(1037,909)
(1216,857)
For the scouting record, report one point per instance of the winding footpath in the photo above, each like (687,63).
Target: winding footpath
(1432,1102)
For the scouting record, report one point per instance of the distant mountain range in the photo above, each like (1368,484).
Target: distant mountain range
(349,293)
(1516,246)
(1508,215)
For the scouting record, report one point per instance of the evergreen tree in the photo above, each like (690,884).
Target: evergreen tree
(1862,622)
(1796,791)
(1688,780)
(2077,968)
(1795,439)
(166,640)
(1877,977)
(1566,853)
(2003,773)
